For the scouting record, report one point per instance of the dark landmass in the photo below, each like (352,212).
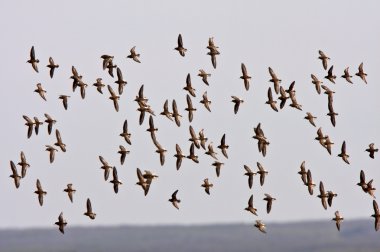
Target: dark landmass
(293,237)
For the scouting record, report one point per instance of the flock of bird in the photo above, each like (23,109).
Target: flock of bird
(197,141)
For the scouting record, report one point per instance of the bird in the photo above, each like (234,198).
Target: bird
(151,128)
(114,98)
(135,56)
(190,109)
(110,68)
(123,153)
(269,199)
(317,83)
(14,175)
(320,137)
(330,197)
(89,211)
(245,76)
(70,191)
(40,192)
(262,140)
(202,139)
(64,99)
(370,189)
(192,155)
(338,219)
(343,153)
(327,144)
(309,182)
(361,73)
(166,111)
(205,101)
(347,75)
(213,51)
(115,181)
(179,155)
(174,199)
(237,102)
(125,134)
(376,215)
(204,76)
(29,123)
(276,81)
(61,223)
(322,195)
(294,103)
(149,177)
(310,118)
(260,226)
(37,124)
(180,47)
(371,149)
(175,113)
(59,142)
(303,173)
(210,151)
(250,207)
(217,165)
(99,85)
(324,58)
(107,59)
(188,86)
(51,151)
(160,150)
(283,97)
(262,172)
(24,164)
(330,76)
(33,61)
(120,81)
(52,66)
(207,185)
(362,182)
(50,121)
(142,182)
(332,115)
(193,137)
(250,175)
(106,167)
(140,98)
(223,146)
(270,101)
(40,91)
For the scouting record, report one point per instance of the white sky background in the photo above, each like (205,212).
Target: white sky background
(285,35)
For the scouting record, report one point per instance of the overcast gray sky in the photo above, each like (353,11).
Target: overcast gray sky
(285,35)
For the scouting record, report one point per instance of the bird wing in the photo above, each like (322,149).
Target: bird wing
(38,184)
(89,207)
(179,41)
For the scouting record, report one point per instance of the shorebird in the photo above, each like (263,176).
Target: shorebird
(140,98)
(330,76)
(115,181)
(237,102)
(52,67)
(343,153)
(160,150)
(106,167)
(193,137)
(309,182)
(14,175)
(99,85)
(204,75)
(338,219)
(180,47)
(175,113)
(40,192)
(125,134)
(174,200)
(37,124)
(111,67)
(205,101)
(188,86)
(123,153)
(327,144)
(270,101)
(276,81)
(262,172)
(151,128)
(64,99)
(33,61)
(245,76)
(202,139)
(166,111)
(372,150)
(310,118)
(283,97)
(347,75)
(261,226)
(223,146)
(269,199)
(107,59)
(250,175)
(114,98)
(207,185)
(142,182)
(40,91)
(361,73)
(324,58)
(120,81)
(213,51)
(330,197)
(192,155)
(135,56)
(24,164)
(317,83)
(210,151)
(30,125)
(59,142)
(179,155)
(376,215)
(250,207)
(50,121)
(217,165)
(303,173)
(61,223)
(51,151)
(89,211)
(70,191)
(322,195)
(190,108)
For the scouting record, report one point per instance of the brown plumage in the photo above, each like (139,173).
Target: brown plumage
(250,175)
(361,73)
(190,108)
(310,118)
(324,58)
(33,61)
(276,81)
(237,101)
(188,86)
(250,207)
(14,175)
(125,134)
(322,195)
(330,76)
(179,155)
(61,223)
(174,200)
(245,76)
(24,164)
(317,83)
(347,75)
(371,149)
(180,47)
(120,81)
(114,98)
(52,67)
(204,75)
(40,192)
(70,191)
(89,211)
(343,154)
(269,199)
(223,146)
(59,142)
(207,185)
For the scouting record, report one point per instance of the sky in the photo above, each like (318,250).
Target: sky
(285,35)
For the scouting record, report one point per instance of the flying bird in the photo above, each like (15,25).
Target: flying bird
(59,142)
(330,196)
(204,76)
(179,155)
(324,58)
(125,134)
(210,151)
(376,215)
(190,108)
(51,151)
(371,149)
(106,167)
(270,101)
(250,175)
(89,211)
(120,81)
(276,81)
(347,75)
(193,137)
(52,67)
(64,99)
(223,146)
(205,101)
(180,47)
(330,76)
(175,113)
(29,123)
(99,85)
(283,97)
(166,111)
(40,192)
(217,165)
(317,83)
(114,98)
(40,91)
(309,182)
(123,153)
(14,175)
(322,195)
(115,181)
(213,51)
(61,223)
(37,124)
(343,153)
(50,121)
(174,200)
(70,191)
(250,207)
(310,118)
(338,219)
(245,76)
(269,199)
(262,172)
(303,173)
(107,59)
(24,164)
(260,226)
(202,139)
(207,185)
(188,86)
(361,73)
(237,102)
(135,56)
(192,155)
(33,61)
(142,182)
